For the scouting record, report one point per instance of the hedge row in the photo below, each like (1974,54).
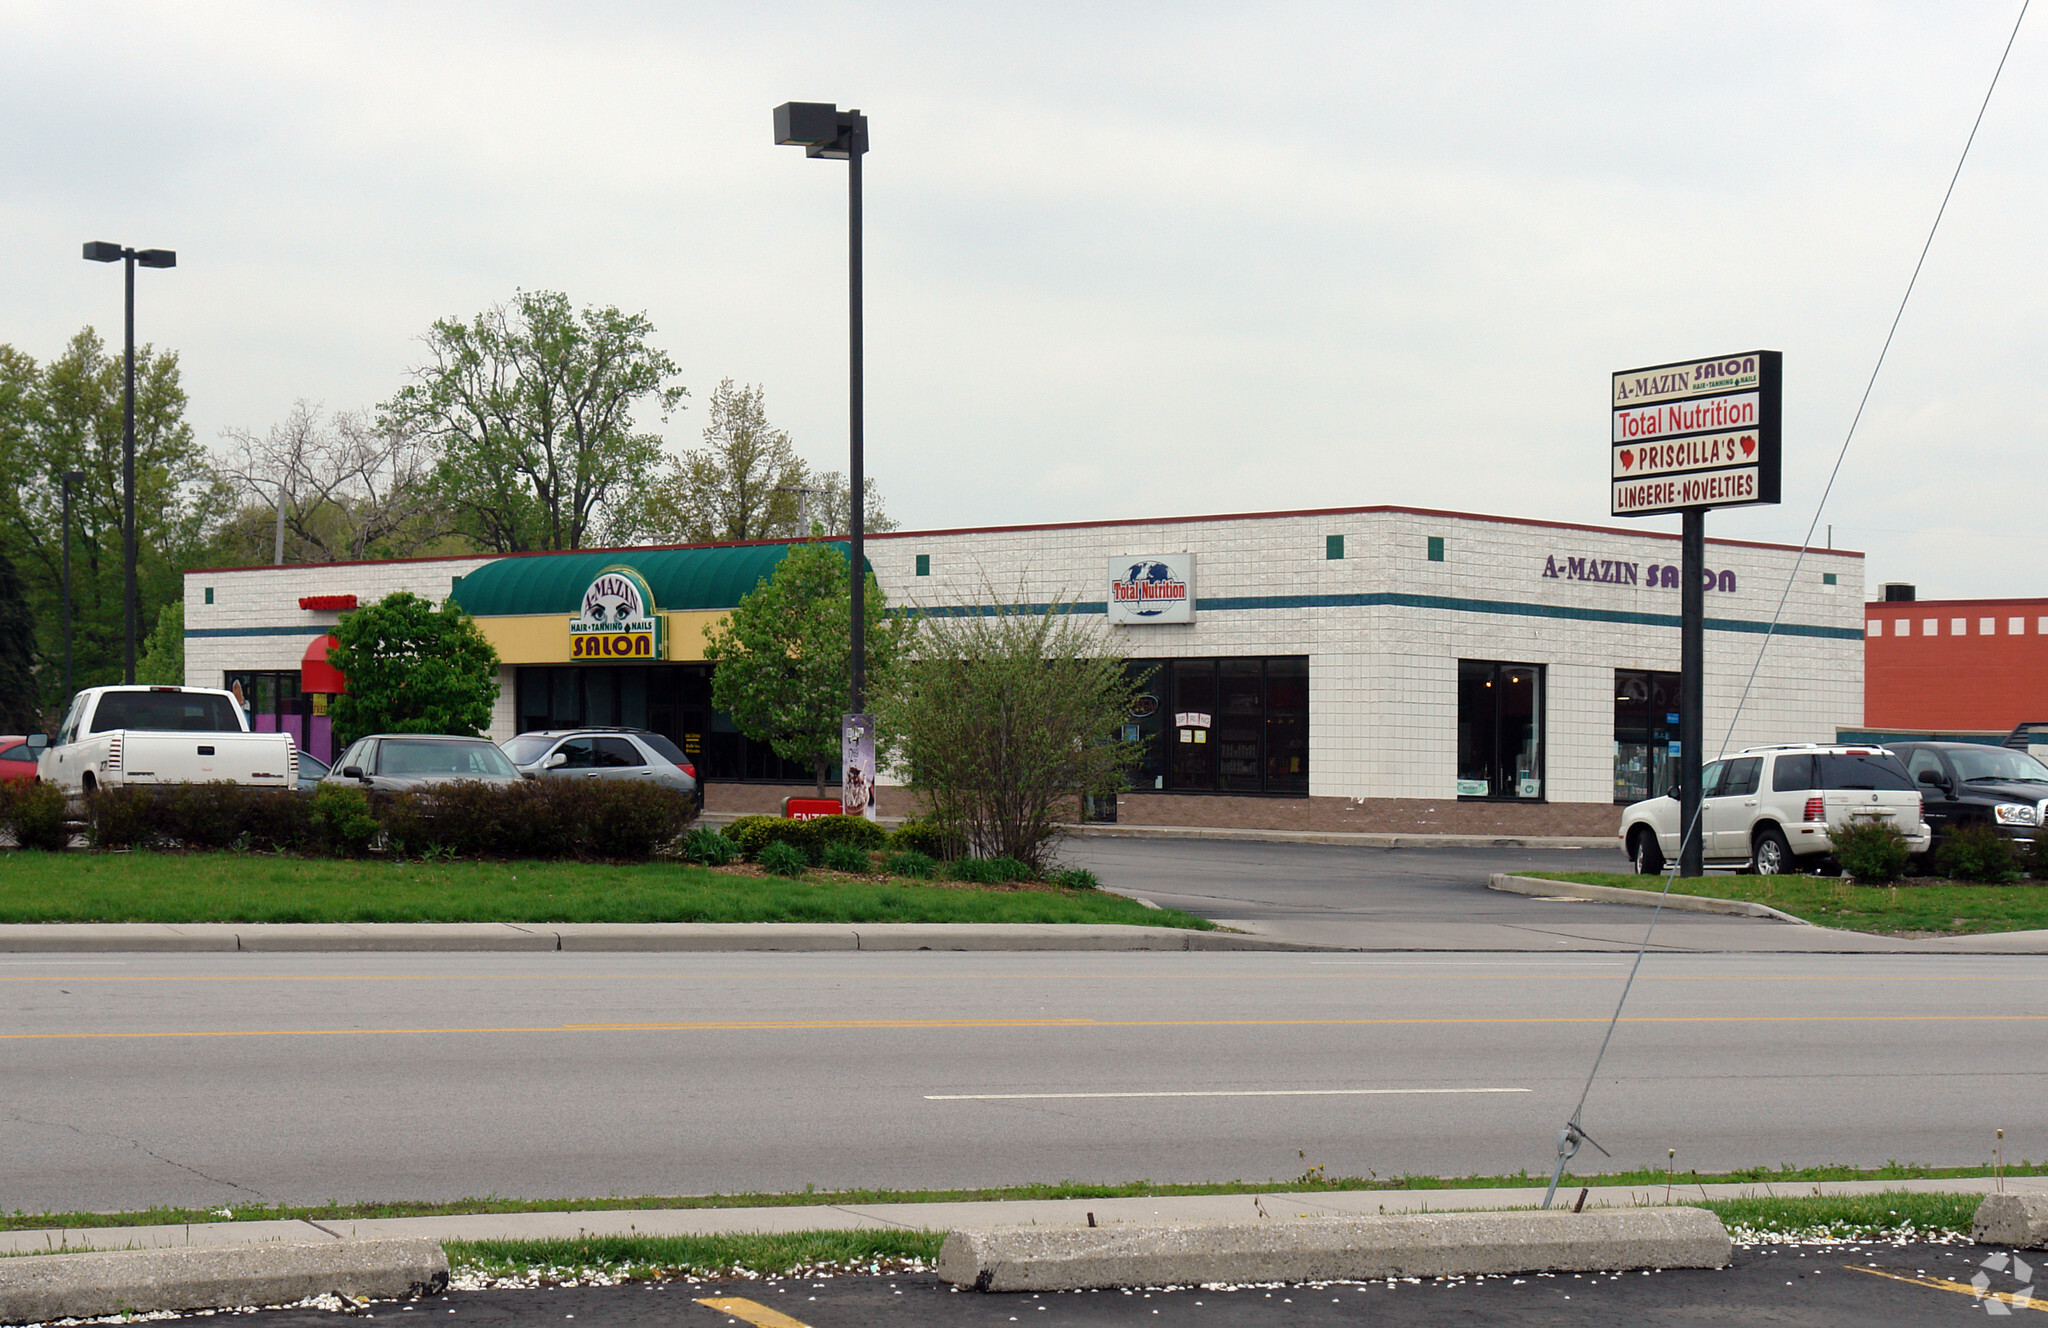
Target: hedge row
(33,815)
(755,833)
(546,818)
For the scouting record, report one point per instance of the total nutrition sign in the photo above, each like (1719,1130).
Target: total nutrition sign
(1701,433)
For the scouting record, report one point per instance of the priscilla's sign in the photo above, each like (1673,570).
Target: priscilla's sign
(1152,588)
(1700,433)
(618,620)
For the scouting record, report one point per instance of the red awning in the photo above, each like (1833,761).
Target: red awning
(316,674)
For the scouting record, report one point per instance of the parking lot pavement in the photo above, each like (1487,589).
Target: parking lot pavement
(1420,898)
(1808,1286)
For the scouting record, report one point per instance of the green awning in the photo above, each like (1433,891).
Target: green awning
(714,576)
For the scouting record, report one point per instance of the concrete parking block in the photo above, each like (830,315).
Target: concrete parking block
(2017,1221)
(40,1288)
(1331,1249)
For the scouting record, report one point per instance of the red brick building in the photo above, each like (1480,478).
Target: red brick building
(1954,665)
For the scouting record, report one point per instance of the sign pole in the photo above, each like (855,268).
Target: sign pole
(1692,673)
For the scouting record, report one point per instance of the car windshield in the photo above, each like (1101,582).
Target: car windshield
(2000,764)
(463,760)
(173,712)
(527,747)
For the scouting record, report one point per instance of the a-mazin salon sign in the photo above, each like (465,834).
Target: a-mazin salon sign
(1699,433)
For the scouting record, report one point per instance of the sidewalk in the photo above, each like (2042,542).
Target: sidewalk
(946,1216)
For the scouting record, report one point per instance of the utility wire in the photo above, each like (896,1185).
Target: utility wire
(1569,1138)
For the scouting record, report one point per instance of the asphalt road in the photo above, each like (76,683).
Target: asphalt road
(131,1080)
(1828,1286)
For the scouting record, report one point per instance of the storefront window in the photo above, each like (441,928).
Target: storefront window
(673,700)
(1500,730)
(1645,732)
(273,703)
(1220,725)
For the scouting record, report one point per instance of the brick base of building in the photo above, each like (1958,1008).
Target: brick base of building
(1405,816)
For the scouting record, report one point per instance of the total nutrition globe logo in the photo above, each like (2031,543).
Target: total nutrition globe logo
(1152,588)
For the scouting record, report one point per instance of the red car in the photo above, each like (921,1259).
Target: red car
(18,758)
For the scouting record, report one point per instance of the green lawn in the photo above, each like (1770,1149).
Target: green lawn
(1947,908)
(233,887)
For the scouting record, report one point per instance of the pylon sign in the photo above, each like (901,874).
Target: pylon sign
(1696,434)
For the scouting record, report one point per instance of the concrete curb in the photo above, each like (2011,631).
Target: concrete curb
(75,1286)
(599,937)
(1531,885)
(1332,1249)
(2017,1221)
(1354,838)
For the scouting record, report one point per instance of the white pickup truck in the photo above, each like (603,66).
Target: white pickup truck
(113,736)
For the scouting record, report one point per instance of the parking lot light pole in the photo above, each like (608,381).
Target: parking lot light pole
(99,251)
(823,130)
(72,478)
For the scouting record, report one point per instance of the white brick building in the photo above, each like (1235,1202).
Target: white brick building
(1461,672)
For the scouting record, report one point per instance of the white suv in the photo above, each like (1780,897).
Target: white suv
(1769,809)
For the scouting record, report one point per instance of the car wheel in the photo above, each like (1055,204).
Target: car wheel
(1769,854)
(1645,852)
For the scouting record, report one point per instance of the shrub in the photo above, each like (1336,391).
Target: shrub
(909,862)
(342,824)
(123,817)
(210,815)
(1075,878)
(34,815)
(975,871)
(710,848)
(1010,869)
(754,833)
(858,831)
(779,858)
(1872,851)
(934,839)
(278,819)
(628,818)
(1975,852)
(847,858)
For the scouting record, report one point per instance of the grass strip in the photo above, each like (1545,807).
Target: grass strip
(1678,1182)
(1895,1213)
(637,1258)
(242,887)
(1951,908)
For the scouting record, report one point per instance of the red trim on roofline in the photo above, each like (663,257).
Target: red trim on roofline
(1908,607)
(1054,525)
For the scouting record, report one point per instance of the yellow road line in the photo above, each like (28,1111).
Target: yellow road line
(752,1311)
(1964,1288)
(1425,971)
(826,1025)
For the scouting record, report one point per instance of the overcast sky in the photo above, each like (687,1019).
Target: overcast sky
(1123,260)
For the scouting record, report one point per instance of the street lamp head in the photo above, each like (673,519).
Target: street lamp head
(158,258)
(821,129)
(99,251)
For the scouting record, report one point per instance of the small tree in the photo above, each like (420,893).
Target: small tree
(412,668)
(784,655)
(163,650)
(1002,720)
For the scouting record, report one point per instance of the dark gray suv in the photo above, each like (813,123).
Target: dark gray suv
(605,753)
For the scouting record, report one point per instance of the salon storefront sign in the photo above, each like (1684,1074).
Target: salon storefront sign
(1614,572)
(618,619)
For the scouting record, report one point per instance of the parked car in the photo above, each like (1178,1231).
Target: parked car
(605,753)
(113,736)
(311,771)
(1967,782)
(18,757)
(1769,810)
(409,762)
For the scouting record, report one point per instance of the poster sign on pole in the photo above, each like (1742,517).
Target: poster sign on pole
(857,766)
(1695,434)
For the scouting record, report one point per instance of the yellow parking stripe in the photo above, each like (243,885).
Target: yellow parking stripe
(751,1312)
(827,1025)
(1944,1284)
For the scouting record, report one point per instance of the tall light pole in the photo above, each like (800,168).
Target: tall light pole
(823,130)
(71,479)
(99,251)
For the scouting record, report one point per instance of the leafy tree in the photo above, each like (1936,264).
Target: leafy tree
(66,415)
(350,490)
(20,706)
(532,407)
(161,660)
(412,668)
(747,483)
(1002,720)
(784,655)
